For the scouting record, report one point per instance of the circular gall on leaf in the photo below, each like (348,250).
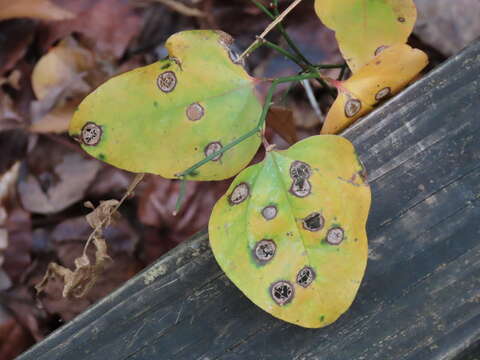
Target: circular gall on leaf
(300,258)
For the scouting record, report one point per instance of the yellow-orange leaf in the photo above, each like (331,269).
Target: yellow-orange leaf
(364,27)
(33,9)
(385,75)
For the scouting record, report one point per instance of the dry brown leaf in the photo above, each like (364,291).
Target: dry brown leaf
(281,120)
(57,120)
(102,215)
(13,79)
(61,65)
(16,37)
(106,26)
(64,185)
(79,281)
(9,117)
(34,9)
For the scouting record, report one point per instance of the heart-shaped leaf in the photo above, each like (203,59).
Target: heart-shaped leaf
(167,116)
(364,27)
(290,231)
(384,76)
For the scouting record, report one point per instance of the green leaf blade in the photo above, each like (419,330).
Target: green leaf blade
(211,101)
(238,230)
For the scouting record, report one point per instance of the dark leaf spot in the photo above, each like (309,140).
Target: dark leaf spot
(195,112)
(335,236)
(301,188)
(401,19)
(305,276)
(264,251)
(383,93)
(282,292)
(91,134)
(269,212)
(380,49)
(352,107)
(313,222)
(239,194)
(167,81)
(300,170)
(212,148)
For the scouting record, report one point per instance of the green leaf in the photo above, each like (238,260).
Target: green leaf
(167,116)
(364,27)
(290,231)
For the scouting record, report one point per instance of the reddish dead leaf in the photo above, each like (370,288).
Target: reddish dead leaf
(158,198)
(34,9)
(16,37)
(9,117)
(281,120)
(14,337)
(98,24)
(18,253)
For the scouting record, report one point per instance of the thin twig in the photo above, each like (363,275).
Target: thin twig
(269,28)
(138,178)
(313,101)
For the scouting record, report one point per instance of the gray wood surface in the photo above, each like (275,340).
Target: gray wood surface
(420,298)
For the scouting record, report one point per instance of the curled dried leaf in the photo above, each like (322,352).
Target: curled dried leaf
(79,281)
(102,215)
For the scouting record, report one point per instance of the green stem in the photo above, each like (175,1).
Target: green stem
(342,72)
(258,128)
(282,30)
(329,66)
(181,196)
(284,53)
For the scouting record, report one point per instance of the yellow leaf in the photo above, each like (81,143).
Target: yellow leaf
(290,231)
(384,76)
(364,27)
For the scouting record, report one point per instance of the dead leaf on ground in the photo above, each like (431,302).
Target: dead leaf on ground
(158,198)
(34,9)
(9,117)
(281,120)
(17,35)
(57,181)
(62,64)
(448,25)
(79,281)
(15,338)
(57,120)
(106,26)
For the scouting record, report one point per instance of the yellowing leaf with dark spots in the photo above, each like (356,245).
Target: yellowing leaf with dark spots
(290,231)
(364,27)
(384,76)
(167,116)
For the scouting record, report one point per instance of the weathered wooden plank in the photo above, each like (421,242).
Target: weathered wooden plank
(421,294)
